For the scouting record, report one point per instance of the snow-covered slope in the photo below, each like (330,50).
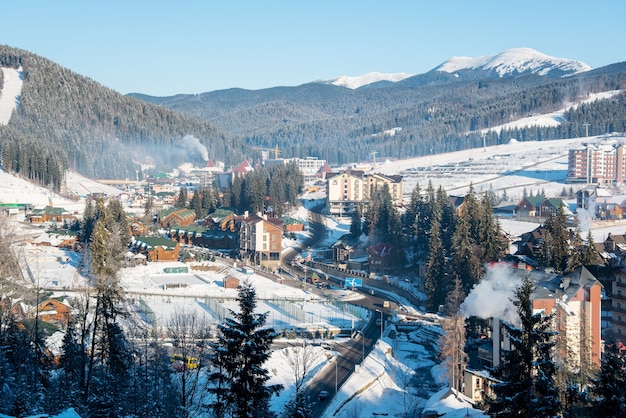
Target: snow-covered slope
(10,93)
(365,79)
(515,61)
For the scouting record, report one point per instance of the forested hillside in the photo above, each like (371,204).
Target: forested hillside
(429,113)
(67,121)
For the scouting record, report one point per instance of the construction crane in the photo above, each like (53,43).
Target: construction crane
(274,150)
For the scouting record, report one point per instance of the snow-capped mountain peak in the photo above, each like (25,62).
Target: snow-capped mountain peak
(515,61)
(365,79)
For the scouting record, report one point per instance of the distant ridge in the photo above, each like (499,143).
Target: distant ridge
(514,62)
(366,79)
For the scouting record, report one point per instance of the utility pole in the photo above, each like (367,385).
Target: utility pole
(373,154)
(586,125)
(484,141)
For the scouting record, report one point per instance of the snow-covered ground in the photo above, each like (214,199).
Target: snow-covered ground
(10,93)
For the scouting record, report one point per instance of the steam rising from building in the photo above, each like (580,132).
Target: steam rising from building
(491,298)
(193,146)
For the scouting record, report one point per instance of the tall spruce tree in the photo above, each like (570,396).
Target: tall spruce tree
(181,202)
(527,372)
(465,261)
(239,381)
(590,254)
(356,224)
(607,391)
(557,242)
(436,281)
(491,243)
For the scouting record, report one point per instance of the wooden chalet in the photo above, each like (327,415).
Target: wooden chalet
(379,257)
(53,312)
(50,214)
(221,219)
(156,248)
(182,217)
(529,206)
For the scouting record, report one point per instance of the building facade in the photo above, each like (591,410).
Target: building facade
(348,188)
(597,164)
(574,301)
(260,240)
(618,297)
(345,191)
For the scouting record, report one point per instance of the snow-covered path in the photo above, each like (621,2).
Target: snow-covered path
(9,96)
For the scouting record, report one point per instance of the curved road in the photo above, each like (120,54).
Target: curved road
(349,353)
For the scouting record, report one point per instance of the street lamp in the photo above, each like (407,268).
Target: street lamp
(336,360)
(381,323)
(363,341)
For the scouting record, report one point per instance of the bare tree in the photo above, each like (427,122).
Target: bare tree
(300,360)
(452,342)
(190,334)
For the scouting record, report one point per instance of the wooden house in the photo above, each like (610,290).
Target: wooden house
(52,311)
(379,257)
(50,214)
(156,248)
(183,217)
(550,207)
(530,206)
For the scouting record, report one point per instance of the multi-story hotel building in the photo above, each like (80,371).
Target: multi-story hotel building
(348,188)
(597,164)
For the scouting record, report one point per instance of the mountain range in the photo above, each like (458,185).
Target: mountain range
(511,62)
(67,121)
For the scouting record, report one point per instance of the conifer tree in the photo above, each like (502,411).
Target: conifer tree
(181,203)
(243,345)
(590,254)
(527,372)
(356,225)
(196,204)
(491,243)
(447,219)
(465,262)
(575,259)
(436,282)
(88,222)
(473,213)
(409,220)
(557,245)
(607,391)
(110,355)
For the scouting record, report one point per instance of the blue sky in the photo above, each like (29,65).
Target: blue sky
(163,48)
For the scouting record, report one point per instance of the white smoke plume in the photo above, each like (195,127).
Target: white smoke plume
(492,296)
(193,146)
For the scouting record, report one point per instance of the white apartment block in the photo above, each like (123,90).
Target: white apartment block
(349,188)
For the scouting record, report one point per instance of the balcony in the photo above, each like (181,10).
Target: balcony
(617,296)
(618,310)
(617,322)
